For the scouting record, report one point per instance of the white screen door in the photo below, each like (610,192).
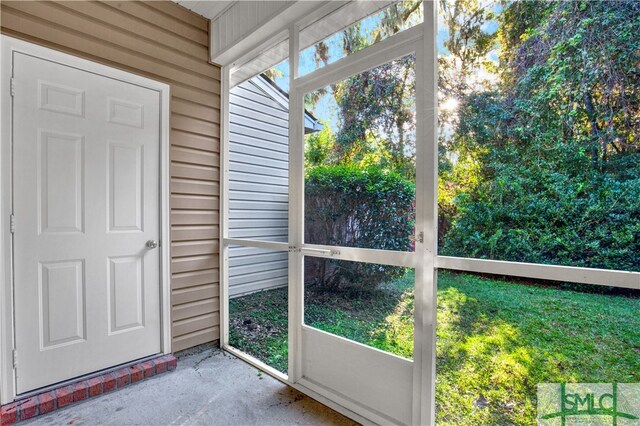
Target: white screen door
(87,220)
(348,252)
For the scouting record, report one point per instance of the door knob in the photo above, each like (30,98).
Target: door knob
(152,244)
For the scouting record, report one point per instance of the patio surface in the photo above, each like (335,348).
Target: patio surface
(209,387)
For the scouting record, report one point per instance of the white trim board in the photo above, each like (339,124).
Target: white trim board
(9,45)
(385,51)
(613,278)
(236,29)
(224,206)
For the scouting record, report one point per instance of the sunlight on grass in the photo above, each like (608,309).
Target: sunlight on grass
(395,334)
(496,340)
(381,318)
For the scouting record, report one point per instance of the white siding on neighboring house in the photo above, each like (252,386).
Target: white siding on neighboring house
(258,183)
(258,186)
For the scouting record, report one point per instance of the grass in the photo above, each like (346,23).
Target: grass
(258,326)
(496,339)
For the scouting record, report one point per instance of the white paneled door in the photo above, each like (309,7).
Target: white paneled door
(87,221)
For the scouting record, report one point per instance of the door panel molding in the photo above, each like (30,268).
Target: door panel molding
(70,217)
(70,275)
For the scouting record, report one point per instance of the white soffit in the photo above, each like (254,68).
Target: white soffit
(261,50)
(207,8)
(248,28)
(338,19)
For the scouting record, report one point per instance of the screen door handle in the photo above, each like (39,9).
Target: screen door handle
(419,238)
(321,252)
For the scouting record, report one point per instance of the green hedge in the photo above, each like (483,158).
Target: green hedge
(354,206)
(551,219)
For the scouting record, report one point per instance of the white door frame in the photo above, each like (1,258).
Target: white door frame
(9,45)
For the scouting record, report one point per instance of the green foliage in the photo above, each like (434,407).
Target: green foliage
(376,110)
(543,164)
(354,206)
(519,21)
(479,120)
(579,78)
(555,151)
(468,44)
(319,147)
(543,216)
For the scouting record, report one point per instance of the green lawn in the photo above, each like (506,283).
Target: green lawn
(496,339)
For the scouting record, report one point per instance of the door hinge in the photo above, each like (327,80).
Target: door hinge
(13,86)
(12,223)
(15,358)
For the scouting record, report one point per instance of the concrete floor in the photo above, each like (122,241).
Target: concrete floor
(208,388)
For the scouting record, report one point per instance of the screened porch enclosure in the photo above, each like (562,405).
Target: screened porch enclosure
(347,178)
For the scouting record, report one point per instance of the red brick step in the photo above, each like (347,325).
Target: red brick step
(81,390)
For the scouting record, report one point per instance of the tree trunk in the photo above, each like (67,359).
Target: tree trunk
(595,129)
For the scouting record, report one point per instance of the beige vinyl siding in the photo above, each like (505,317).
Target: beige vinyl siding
(168,43)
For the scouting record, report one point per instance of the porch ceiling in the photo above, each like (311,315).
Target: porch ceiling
(251,36)
(209,9)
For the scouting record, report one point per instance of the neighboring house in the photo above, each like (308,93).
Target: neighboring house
(258,182)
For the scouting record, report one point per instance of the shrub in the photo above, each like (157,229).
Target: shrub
(551,219)
(355,206)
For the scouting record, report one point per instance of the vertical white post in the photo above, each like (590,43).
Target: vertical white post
(224,208)
(296,211)
(426,219)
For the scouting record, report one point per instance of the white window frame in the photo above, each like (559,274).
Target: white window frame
(425,35)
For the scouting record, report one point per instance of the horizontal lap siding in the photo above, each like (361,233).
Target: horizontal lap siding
(168,43)
(258,187)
